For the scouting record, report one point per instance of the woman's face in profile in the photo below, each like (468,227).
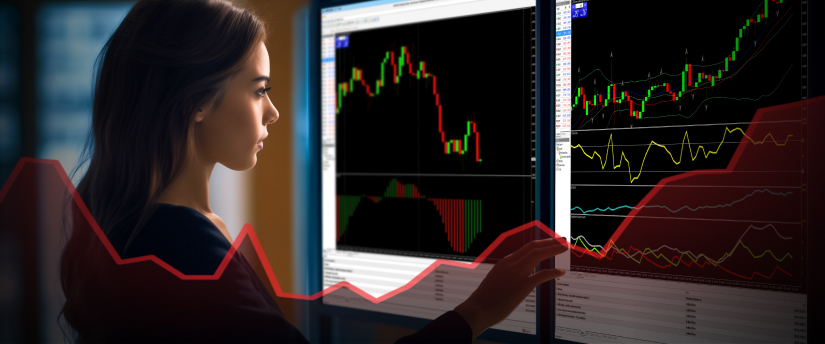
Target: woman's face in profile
(233,133)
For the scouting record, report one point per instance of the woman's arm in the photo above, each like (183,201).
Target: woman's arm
(508,283)
(502,290)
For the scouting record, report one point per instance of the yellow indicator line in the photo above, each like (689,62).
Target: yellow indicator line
(685,140)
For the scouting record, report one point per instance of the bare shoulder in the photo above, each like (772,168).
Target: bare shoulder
(218,222)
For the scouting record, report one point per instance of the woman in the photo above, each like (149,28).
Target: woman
(179,87)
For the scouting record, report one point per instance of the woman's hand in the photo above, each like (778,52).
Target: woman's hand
(508,283)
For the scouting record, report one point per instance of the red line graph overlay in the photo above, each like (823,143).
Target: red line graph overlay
(506,243)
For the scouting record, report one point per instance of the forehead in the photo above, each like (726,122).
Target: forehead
(258,63)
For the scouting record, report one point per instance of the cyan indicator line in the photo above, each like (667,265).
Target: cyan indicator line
(683,207)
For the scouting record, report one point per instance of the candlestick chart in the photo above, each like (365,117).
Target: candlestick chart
(748,58)
(449,120)
(450,145)
(684,164)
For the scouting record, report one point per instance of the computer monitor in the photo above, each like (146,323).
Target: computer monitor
(428,145)
(681,152)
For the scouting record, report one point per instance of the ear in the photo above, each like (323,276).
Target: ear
(199,115)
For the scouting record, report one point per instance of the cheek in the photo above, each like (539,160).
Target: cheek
(229,136)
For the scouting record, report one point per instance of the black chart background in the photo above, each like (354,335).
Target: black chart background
(483,69)
(647,41)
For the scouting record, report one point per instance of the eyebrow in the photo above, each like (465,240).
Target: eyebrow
(262,77)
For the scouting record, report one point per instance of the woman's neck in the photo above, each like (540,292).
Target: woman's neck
(191,187)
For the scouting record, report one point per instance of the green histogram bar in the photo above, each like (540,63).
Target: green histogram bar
(472,221)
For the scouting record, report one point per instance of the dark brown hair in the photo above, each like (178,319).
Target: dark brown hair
(167,59)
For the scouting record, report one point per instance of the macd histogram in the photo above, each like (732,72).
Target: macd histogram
(461,218)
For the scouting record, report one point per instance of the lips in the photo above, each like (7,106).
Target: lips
(260,143)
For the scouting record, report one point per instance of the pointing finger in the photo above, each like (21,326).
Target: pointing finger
(530,246)
(545,275)
(537,255)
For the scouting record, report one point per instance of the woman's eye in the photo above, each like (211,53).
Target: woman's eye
(261,91)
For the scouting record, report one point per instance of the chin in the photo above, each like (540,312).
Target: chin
(242,165)
(250,164)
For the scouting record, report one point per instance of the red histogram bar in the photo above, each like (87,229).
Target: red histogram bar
(454,214)
(453,224)
(450,219)
(461,244)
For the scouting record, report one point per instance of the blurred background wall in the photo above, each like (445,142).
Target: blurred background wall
(47,52)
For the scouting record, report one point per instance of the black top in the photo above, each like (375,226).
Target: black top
(236,307)
(180,236)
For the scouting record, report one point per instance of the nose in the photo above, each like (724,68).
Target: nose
(270,113)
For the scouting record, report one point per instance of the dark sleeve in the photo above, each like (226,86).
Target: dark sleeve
(450,327)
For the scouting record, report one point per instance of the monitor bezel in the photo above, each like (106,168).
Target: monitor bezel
(545,130)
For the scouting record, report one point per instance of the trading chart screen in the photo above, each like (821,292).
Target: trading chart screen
(428,143)
(680,162)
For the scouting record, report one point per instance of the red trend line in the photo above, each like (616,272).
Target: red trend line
(247,232)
